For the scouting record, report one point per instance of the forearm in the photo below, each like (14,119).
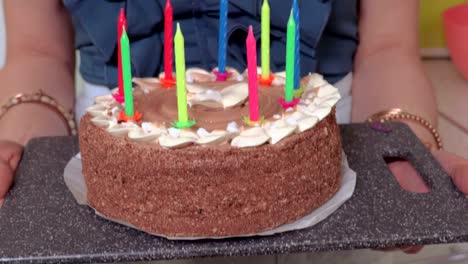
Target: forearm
(39,58)
(388,70)
(392,78)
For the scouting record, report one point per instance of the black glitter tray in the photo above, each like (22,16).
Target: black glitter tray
(41,221)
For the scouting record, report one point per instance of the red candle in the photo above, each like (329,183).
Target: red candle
(122,22)
(168,41)
(251,44)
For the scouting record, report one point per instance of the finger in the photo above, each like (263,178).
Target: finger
(408,177)
(6,178)
(408,250)
(15,159)
(460,178)
(456,167)
(413,250)
(11,152)
(448,160)
(392,249)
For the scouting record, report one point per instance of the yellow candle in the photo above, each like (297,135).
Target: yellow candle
(183,121)
(265,40)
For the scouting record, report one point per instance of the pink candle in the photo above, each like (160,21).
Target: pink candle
(251,44)
(122,22)
(168,41)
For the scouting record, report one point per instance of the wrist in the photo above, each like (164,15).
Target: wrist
(46,102)
(425,131)
(26,121)
(423,134)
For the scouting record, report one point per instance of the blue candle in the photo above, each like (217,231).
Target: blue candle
(297,63)
(223,13)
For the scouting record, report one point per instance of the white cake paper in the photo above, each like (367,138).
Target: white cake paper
(75,182)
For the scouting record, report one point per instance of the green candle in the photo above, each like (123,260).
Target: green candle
(180,76)
(127,74)
(265,40)
(290,63)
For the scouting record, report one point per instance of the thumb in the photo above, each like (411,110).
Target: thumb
(6,179)
(456,167)
(10,152)
(10,155)
(460,177)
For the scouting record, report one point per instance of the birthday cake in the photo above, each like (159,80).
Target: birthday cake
(223,176)
(212,154)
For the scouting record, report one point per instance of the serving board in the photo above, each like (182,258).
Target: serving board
(41,221)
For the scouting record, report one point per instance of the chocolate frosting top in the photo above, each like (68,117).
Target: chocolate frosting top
(160,106)
(219,109)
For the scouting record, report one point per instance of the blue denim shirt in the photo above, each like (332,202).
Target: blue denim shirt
(329,35)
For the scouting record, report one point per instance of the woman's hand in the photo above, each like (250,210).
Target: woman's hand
(10,155)
(409,179)
(18,126)
(457,168)
(39,58)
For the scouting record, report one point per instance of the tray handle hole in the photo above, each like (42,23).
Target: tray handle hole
(406,175)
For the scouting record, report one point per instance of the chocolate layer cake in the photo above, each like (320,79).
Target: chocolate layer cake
(222,177)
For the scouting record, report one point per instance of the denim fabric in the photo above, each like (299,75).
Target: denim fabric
(329,35)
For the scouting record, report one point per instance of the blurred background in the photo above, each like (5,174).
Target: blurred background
(451,87)
(431,26)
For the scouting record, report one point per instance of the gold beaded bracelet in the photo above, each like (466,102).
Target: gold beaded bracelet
(42,99)
(398,114)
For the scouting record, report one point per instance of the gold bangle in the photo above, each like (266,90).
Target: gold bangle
(398,114)
(42,99)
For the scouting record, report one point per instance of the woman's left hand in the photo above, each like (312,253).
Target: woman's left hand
(408,178)
(456,167)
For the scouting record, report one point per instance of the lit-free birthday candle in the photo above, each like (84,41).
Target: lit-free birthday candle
(265,40)
(290,60)
(168,46)
(121,23)
(297,47)
(130,113)
(223,11)
(251,44)
(183,121)
(289,100)
(127,73)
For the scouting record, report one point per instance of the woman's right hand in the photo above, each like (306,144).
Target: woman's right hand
(18,126)
(40,57)
(10,155)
